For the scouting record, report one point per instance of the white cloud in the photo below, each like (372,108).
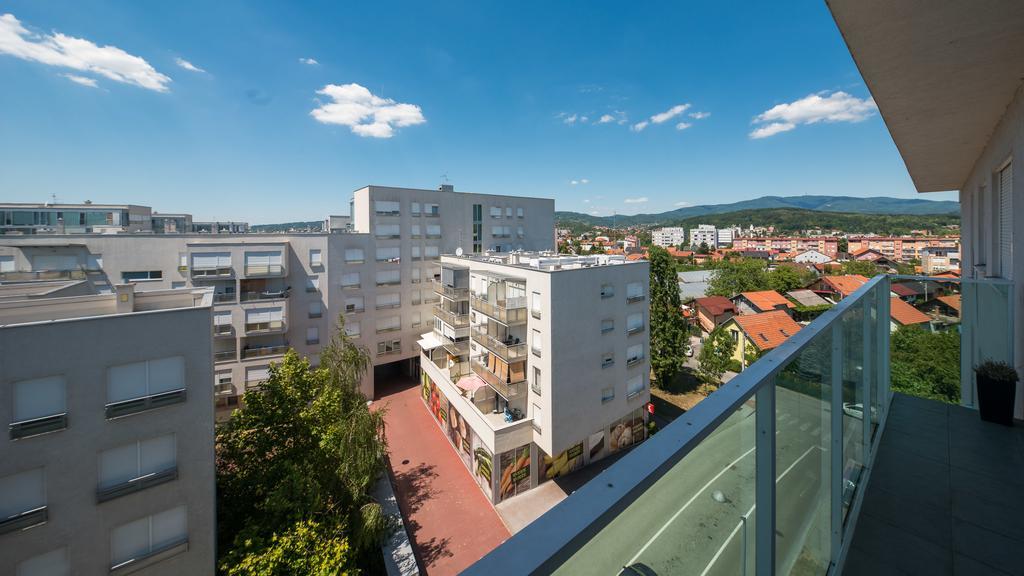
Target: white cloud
(580,181)
(682,203)
(640,200)
(683,125)
(584,181)
(605,119)
(570,119)
(639,126)
(188,65)
(78,54)
(670,113)
(586,200)
(367,115)
(617,116)
(821,107)
(309,61)
(90,82)
(699,115)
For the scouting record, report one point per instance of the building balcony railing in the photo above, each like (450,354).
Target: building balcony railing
(449,292)
(454,347)
(42,275)
(151,402)
(509,351)
(24,520)
(225,356)
(264,270)
(262,351)
(37,426)
(266,295)
(136,484)
(225,298)
(510,312)
(212,272)
(503,386)
(453,319)
(770,470)
(265,327)
(223,330)
(634,298)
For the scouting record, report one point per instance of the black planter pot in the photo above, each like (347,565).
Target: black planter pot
(995,400)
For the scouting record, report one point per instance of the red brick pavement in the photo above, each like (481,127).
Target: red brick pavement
(450,521)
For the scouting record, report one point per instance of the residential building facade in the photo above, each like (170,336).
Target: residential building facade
(108,467)
(902,248)
(704,234)
(825,245)
(666,237)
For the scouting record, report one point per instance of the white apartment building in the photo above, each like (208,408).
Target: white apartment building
(275,291)
(537,364)
(725,236)
(668,237)
(108,465)
(704,234)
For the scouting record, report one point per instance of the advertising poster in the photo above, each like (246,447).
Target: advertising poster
(515,472)
(567,462)
(627,432)
(483,460)
(596,445)
(460,432)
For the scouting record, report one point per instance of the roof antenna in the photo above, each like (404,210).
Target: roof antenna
(444,178)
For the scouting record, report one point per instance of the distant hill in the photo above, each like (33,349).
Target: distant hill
(843,204)
(791,220)
(313,226)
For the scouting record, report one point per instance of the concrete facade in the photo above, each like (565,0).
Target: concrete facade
(85,525)
(670,236)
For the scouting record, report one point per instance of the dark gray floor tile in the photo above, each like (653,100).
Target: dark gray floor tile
(1010,490)
(967,566)
(922,518)
(936,448)
(910,475)
(890,546)
(987,546)
(864,563)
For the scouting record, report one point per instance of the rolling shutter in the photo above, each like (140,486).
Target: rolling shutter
(1006,222)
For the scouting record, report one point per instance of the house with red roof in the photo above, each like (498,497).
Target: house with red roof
(903,314)
(836,288)
(759,333)
(762,301)
(713,311)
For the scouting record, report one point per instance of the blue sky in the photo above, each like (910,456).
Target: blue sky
(213,108)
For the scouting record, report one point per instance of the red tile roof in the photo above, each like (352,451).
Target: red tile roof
(902,290)
(635,256)
(847,284)
(905,314)
(766,300)
(716,305)
(768,329)
(953,301)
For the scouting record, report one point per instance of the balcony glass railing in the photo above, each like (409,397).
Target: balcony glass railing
(509,312)
(225,298)
(453,319)
(261,351)
(271,326)
(449,292)
(758,478)
(213,272)
(266,295)
(507,387)
(225,356)
(255,270)
(507,349)
(43,275)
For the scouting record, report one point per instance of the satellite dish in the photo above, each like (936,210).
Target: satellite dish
(458,251)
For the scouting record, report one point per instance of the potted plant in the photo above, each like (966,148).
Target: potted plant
(997,384)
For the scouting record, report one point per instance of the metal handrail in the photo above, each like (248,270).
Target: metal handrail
(260,351)
(450,318)
(264,270)
(449,292)
(507,352)
(37,426)
(507,390)
(151,402)
(516,314)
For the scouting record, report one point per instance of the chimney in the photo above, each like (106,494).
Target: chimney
(125,298)
(447,188)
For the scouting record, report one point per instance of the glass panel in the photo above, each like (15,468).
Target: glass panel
(166,374)
(691,520)
(852,411)
(803,394)
(157,454)
(129,541)
(119,465)
(169,527)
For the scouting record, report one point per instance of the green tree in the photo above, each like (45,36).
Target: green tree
(843,245)
(306,548)
(785,278)
(740,275)
(703,248)
(714,357)
(926,364)
(862,267)
(305,448)
(668,327)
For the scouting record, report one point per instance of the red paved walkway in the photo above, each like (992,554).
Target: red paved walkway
(450,521)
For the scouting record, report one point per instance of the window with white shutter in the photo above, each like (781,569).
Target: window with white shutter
(350,280)
(431,252)
(389,324)
(6,264)
(137,461)
(315,258)
(315,309)
(635,322)
(52,563)
(634,354)
(389,277)
(416,254)
(39,398)
(417,275)
(312,283)
(433,230)
(1006,222)
(260,263)
(634,386)
(354,304)
(22,492)
(354,255)
(255,376)
(146,536)
(388,231)
(536,342)
(389,254)
(352,329)
(312,335)
(416,232)
(142,379)
(211,260)
(387,207)
(389,300)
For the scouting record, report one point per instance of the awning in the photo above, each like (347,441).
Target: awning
(428,341)
(470,383)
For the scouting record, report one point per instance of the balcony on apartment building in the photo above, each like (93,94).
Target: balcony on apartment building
(500,297)
(453,318)
(806,463)
(499,341)
(37,275)
(262,350)
(508,380)
(265,325)
(210,265)
(263,289)
(448,291)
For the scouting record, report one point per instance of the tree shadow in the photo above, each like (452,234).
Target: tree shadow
(413,488)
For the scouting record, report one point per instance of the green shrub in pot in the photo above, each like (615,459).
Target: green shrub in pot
(997,386)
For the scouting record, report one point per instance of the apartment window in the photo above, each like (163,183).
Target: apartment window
(535,304)
(388,231)
(389,277)
(312,283)
(354,304)
(261,319)
(634,292)
(535,385)
(256,376)
(22,500)
(52,563)
(607,359)
(389,324)
(433,230)
(607,325)
(535,342)
(416,254)
(1006,222)
(389,300)
(211,261)
(416,231)
(138,540)
(144,385)
(607,394)
(417,275)
(315,309)
(315,258)
(607,290)
(508,211)
(312,335)
(141,275)
(352,329)
(519,212)
(223,384)
(520,232)
(354,255)
(634,354)
(538,418)
(478,212)
(222,322)
(40,405)
(431,252)
(133,467)
(416,297)
(389,254)
(501,231)
(259,263)
(387,207)
(634,386)
(6,264)
(350,280)
(415,210)
(389,347)
(635,322)
(417,319)
(431,210)
(495,211)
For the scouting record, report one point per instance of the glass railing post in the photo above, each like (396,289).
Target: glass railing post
(835,459)
(764,485)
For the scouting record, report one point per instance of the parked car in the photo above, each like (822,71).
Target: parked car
(856,410)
